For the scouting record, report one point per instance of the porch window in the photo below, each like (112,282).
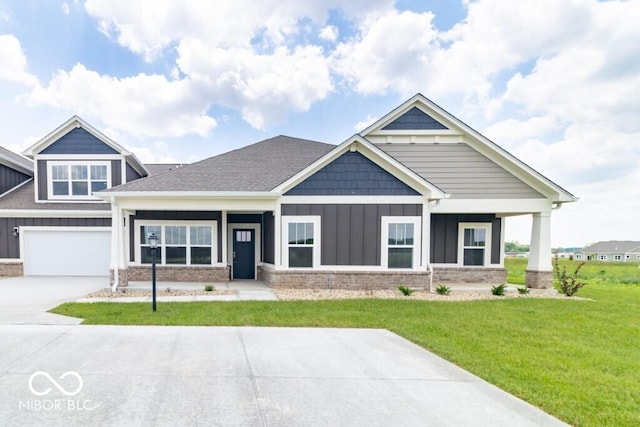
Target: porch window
(179,243)
(77,179)
(301,237)
(602,257)
(400,242)
(474,244)
(617,257)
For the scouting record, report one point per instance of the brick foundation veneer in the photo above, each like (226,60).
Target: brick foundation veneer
(11,269)
(173,274)
(342,279)
(491,276)
(538,279)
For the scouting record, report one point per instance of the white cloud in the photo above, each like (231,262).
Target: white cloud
(365,123)
(14,62)
(329,33)
(142,105)
(65,8)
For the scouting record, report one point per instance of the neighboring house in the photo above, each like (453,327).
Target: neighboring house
(613,250)
(416,198)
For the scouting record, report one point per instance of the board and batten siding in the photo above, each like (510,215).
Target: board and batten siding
(444,236)
(10,245)
(10,178)
(350,234)
(132,175)
(460,171)
(268,237)
(174,216)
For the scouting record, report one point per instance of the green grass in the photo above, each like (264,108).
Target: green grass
(576,359)
(618,273)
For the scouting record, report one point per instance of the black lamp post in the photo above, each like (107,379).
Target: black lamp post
(153,244)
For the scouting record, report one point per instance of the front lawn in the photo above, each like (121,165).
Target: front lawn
(575,359)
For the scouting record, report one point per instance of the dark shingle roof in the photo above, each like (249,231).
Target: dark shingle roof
(23,197)
(258,167)
(613,246)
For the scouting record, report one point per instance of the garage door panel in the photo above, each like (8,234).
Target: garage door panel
(78,252)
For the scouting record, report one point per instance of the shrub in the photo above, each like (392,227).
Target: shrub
(405,290)
(208,288)
(499,289)
(443,290)
(567,284)
(524,290)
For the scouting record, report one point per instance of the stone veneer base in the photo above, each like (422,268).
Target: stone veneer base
(173,274)
(538,279)
(342,279)
(453,275)
(11,269)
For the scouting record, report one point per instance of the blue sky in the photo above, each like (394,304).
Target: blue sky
(555,83)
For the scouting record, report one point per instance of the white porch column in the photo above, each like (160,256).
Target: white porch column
(225,253)
(116,243)
(539,273)
(277,222)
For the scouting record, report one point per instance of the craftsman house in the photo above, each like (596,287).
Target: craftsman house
(416,198)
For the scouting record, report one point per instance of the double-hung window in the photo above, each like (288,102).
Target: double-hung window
(301,235)
(179,243)
(400,242)
(77,179)
(474,244)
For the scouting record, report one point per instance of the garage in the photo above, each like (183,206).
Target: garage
(72,251)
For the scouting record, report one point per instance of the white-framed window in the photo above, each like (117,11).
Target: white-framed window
(602,257)
(301,241)
(77,180)
(578,256)
(401,238)
(474,243)
(179,242)
(638,256)
(617,257)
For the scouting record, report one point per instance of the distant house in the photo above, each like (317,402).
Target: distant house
(613,250)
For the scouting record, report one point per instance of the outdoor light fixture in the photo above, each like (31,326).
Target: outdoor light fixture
(16,231)
(153,245)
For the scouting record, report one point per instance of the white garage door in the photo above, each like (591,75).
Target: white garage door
(77,251)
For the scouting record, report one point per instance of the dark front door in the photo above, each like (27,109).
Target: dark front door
(244,254)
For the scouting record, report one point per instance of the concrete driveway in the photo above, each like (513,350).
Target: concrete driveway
(25,300)
(132,375)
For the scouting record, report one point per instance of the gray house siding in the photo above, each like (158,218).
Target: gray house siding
(413,119)
(10,178)
(174,216)
(10,245)
(352,174)
(351,233)
(460,171)
(444,236)
(132,175)
(116,172)
(78,141)
(268,237)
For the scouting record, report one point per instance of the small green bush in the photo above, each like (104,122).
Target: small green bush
(208,288)
(405,290)
(499,289)
(443,290)
(524,290)
(567,284)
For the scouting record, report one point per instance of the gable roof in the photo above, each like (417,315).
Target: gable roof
(378,156)
(259,167)
(614,246)
(454,126)
(77,122)
(15,161)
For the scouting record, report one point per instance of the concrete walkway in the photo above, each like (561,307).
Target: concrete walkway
(174,376)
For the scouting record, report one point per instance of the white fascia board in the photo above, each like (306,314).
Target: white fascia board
(374,154)
(53,213)
(13,164)
(349,199)
(478,141)
(504,207)
(106,195)
(199,203)
(72,123)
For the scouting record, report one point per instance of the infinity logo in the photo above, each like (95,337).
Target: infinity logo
(55,383)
